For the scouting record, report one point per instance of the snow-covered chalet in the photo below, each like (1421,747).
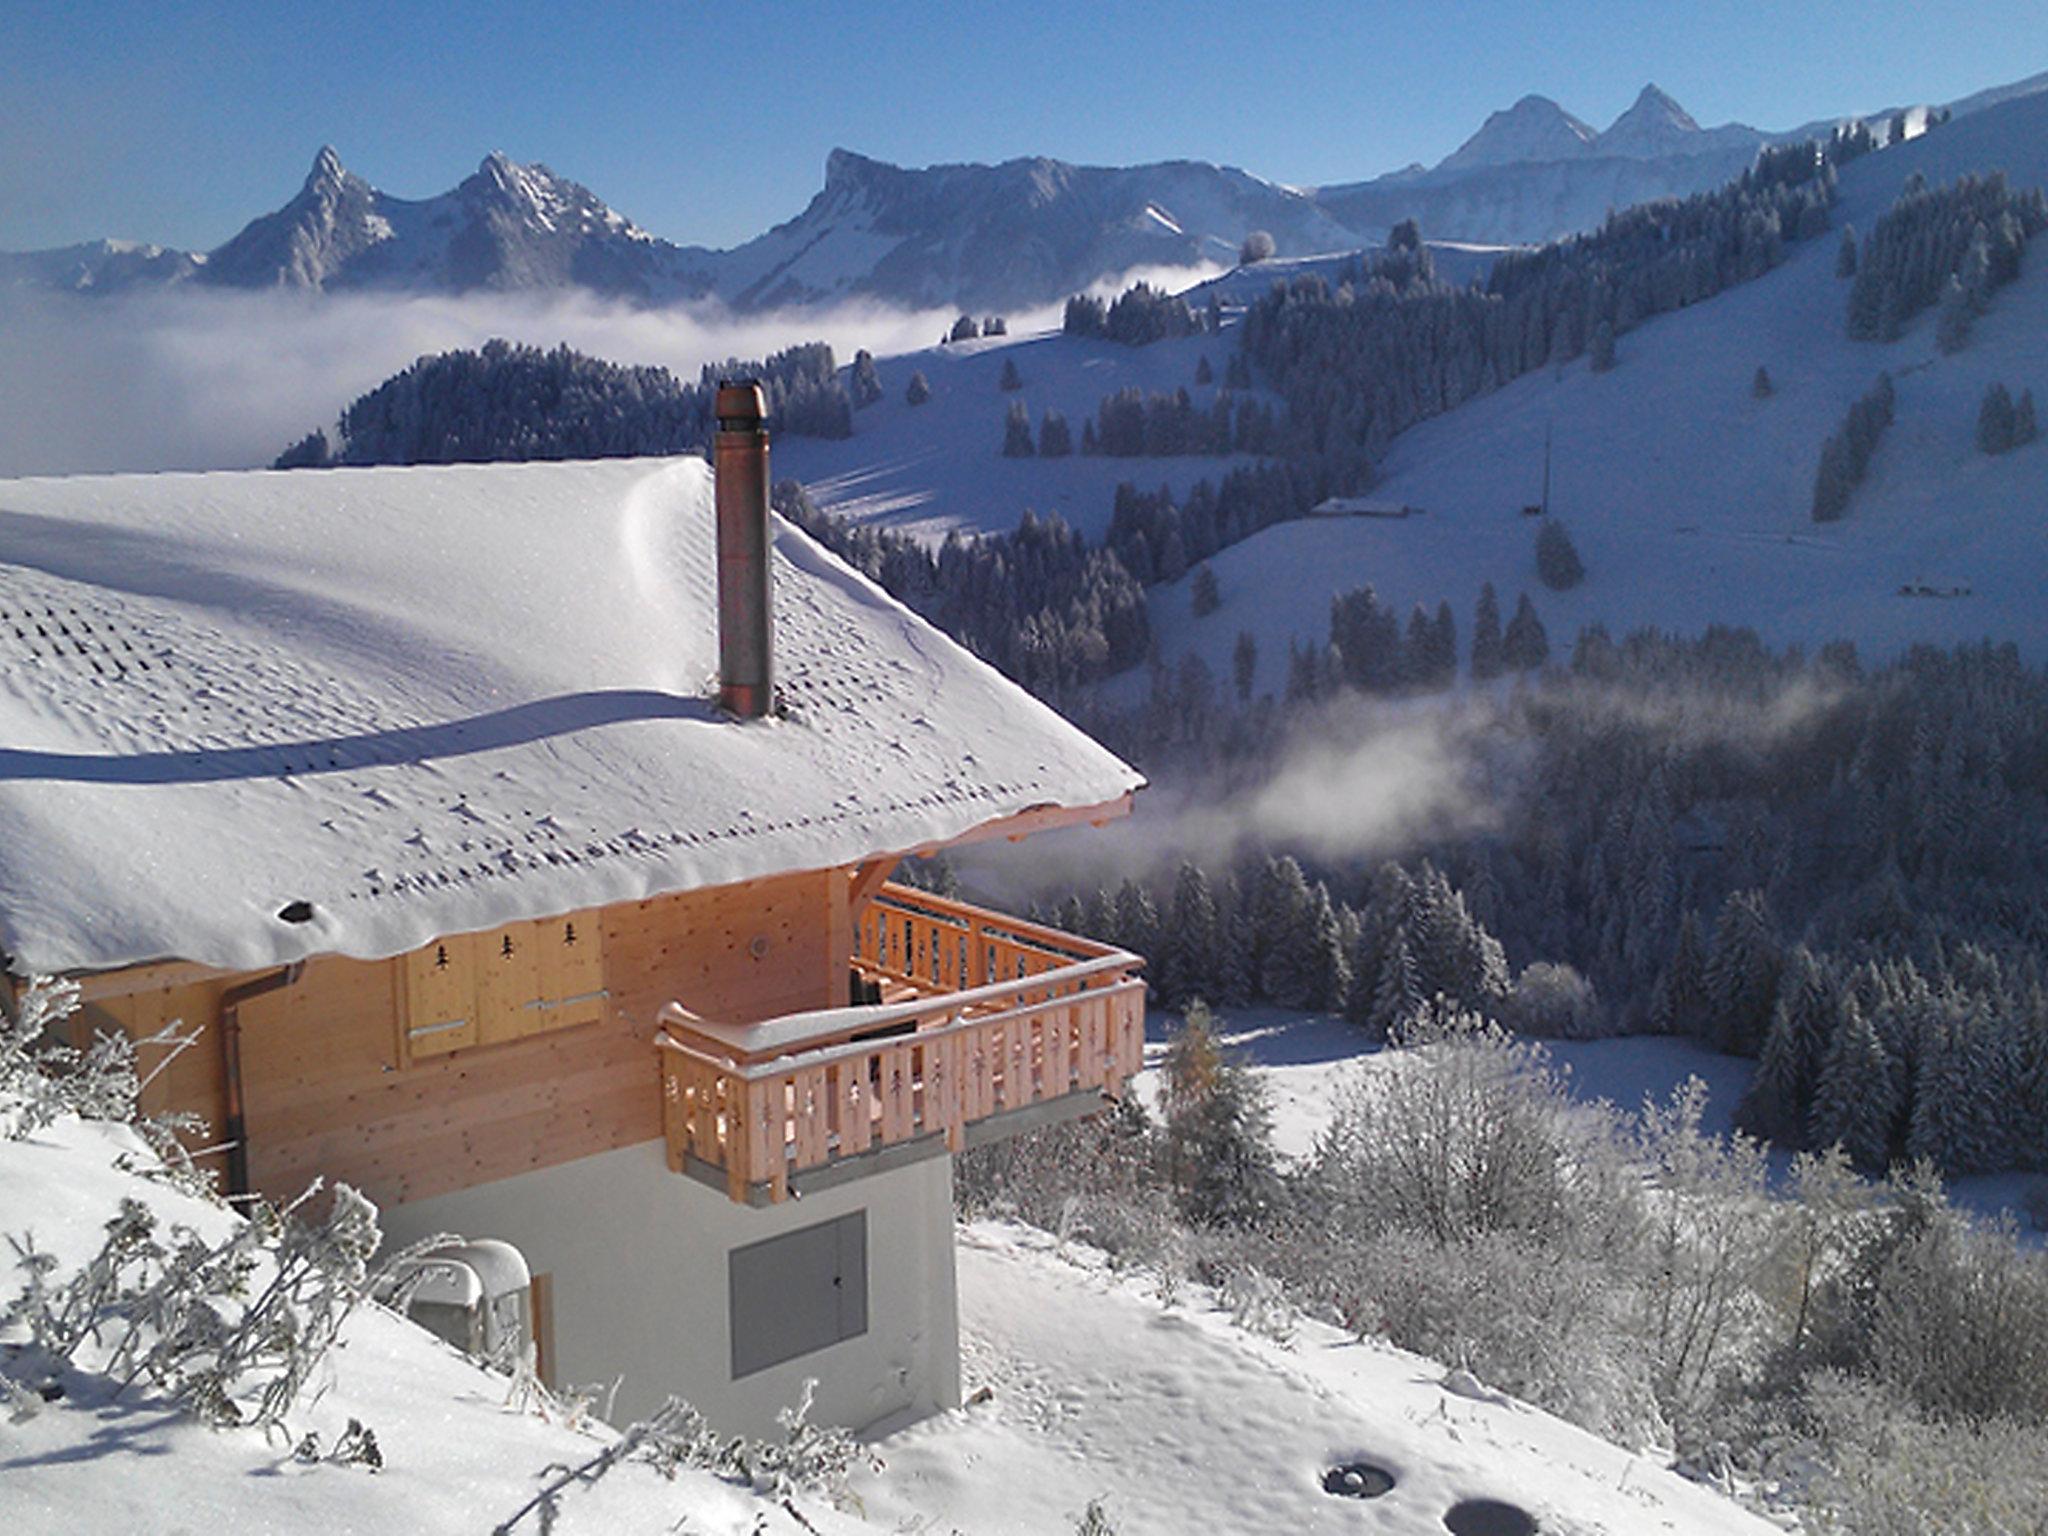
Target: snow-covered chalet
(504,890)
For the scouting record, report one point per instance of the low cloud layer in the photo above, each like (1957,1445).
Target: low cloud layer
(1369,781)
(194,378)
(205,380)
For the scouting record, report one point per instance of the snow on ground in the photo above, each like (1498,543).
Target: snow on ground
(1180,1421)
(457,1460)
(1689,500)
(1086,1385)
(926,469)
(1306,1059)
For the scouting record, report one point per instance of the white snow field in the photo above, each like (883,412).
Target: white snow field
(1173,1415)
(458,1460)
(927,469)
(434,699)
(1690,501)
(1180,1421)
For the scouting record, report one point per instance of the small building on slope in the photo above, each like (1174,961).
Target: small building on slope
(411,788)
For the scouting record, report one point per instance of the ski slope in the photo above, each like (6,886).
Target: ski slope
(932,468)
(1688,499)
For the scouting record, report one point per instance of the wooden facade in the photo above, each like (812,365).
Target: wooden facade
(336,1083)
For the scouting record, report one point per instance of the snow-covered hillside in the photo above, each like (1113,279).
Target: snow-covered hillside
(930,468)
(1688,498)
(1179,1420)
(457,1458)
(1084,1385)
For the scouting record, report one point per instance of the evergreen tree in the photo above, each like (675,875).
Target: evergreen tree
(1137,920)
(1397,995)
(867,384)
(1680,1006)
(1203,593)
(1557,559)
(1831,483)
(1011,379)
(2023,419)
(995,325)
(1054,440)
(1526,645)
(309,452)
(1017,432)
(1854,1099)
(1742,974)
(1283,936)
(1190,947)
(1845,253)
(964,329)
(1760,387)
(1258,246)
(1488,657)
(1218,1129)
(1600,355)
(1235,961)
(1443,646)
(1995,420)
(1204,374)
(919,389)
(1953,320)
(1781,1091)
(1771,1106)
(1244,665)
(1329,965)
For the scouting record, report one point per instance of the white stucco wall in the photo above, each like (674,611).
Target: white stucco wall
(638,1257)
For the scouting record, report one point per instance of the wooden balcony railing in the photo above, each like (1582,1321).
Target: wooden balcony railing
(982,1014)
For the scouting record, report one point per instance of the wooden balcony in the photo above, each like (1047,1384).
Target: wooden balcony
(988,1024)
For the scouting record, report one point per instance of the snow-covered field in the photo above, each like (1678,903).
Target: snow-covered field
(1181,1421)
(1689,499)
(457,1458)
(1307,1059)
(927,469)
(1085,1385)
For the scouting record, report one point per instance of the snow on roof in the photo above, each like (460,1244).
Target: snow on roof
(436,699)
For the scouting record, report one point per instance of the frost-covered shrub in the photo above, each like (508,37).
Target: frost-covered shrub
(1466,1133)
(1556,1002)
(231,1330)
(809,1458)
(1887,1471)
(1093,1181)
(43,1078)
(1550,1327)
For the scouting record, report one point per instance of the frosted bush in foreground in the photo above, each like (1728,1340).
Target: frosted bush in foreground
(231,1331)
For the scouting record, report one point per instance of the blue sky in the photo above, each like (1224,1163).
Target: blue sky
(178,122)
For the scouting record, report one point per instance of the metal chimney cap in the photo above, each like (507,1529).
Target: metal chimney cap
(741,404)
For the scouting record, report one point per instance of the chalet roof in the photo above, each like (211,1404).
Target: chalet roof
(437,699)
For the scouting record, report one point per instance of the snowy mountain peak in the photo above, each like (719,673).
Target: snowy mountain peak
(1655,125)
(844,165)
(327,168)
(1653,100)
(1534,128)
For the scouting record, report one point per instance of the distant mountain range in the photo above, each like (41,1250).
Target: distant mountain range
(978,237)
